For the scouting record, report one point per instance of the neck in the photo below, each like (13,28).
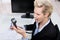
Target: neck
(43,22)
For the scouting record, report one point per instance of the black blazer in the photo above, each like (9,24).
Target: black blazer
(58,38)
(49,32)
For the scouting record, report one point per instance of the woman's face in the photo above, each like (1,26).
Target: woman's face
(38,14)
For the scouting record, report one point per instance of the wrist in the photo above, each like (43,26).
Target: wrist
(25,35)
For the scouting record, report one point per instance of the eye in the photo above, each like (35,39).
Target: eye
(38,14)
(40,6)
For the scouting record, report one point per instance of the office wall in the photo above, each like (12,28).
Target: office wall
(56,5)
(5,6)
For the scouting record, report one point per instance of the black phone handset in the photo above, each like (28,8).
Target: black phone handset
(14,21)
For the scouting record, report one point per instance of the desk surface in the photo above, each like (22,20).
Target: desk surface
(5,22)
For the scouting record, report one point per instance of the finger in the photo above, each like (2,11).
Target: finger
(19,28)
(14,27)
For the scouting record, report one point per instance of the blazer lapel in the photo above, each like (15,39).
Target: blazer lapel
(43,30)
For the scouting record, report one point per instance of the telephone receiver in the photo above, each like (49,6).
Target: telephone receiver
(14,21)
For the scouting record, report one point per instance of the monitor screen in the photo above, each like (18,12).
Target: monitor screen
(22,6)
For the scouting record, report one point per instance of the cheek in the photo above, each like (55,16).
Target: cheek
(35,16)
(41,17)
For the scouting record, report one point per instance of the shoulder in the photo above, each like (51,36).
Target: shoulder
(51,29)
(57,29)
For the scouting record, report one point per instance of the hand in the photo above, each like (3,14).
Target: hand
(20,31)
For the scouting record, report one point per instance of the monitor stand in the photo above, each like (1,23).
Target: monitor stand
(27,15)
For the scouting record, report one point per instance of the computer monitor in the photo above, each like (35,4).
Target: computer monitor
(23,6)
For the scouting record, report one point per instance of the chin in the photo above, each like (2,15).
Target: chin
(37,21)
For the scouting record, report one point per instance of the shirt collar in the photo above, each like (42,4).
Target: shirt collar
(42,26)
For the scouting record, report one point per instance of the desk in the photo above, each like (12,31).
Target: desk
(5,22)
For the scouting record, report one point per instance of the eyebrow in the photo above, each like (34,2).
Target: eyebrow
(40,6)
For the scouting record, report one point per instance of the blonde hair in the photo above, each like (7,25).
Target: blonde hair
(46,3)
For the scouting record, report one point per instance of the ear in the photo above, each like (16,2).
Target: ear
(46,14)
